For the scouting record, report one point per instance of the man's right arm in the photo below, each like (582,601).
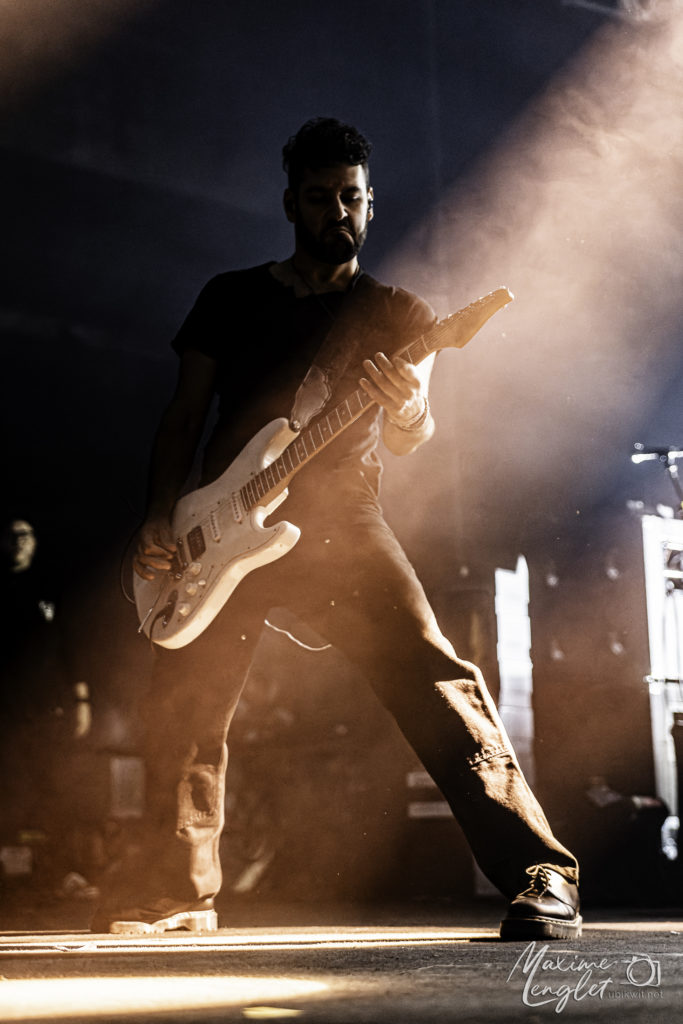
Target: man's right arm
(175,445)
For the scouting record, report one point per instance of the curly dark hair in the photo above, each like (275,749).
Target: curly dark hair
(324,142)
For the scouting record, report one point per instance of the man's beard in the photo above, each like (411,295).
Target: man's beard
(333,247)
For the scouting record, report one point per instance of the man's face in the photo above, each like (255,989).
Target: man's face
(18,544)
(330,213)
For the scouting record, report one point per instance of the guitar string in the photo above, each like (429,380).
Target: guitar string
(363,400)
(261,479)
(265,479)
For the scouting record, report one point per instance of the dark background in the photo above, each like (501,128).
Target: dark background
(140,154)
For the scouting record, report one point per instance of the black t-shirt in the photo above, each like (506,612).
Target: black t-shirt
(264,340)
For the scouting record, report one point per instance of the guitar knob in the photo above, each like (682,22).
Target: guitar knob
(194,568)
(184,610)
(191,589)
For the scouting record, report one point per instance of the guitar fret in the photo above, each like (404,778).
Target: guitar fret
(414,350)
(306,444)
(322,431)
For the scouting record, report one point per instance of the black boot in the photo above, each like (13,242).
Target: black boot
(548,909)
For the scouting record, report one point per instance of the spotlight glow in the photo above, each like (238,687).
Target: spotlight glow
(579,210)
(114,997)
(38,39)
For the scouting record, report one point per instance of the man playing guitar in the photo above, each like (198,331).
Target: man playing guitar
(292,339)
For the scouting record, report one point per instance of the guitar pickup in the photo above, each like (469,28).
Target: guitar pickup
(196,542)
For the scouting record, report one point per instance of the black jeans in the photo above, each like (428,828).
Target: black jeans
(350,579)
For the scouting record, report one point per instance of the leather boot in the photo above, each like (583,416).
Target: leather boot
(547,909)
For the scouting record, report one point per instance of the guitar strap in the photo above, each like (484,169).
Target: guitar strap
(340,346)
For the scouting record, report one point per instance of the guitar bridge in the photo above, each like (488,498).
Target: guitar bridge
(178,562)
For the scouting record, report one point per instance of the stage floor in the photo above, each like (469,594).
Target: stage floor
(343,964)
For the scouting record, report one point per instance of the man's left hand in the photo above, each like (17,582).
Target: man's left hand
(396,386)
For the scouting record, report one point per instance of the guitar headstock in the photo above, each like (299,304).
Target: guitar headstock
(460,327)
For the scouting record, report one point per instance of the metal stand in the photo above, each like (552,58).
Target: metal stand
(663,551)
(667,457)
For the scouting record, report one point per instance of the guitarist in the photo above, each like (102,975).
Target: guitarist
(252,338)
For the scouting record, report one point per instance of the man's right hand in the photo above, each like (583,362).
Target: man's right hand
(155,549)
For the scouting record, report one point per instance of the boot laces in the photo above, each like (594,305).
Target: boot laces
(540,880)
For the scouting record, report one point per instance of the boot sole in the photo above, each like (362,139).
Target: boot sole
(521,928)
(190,920)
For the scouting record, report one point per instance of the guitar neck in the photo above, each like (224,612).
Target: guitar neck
(454,332)
(320,432)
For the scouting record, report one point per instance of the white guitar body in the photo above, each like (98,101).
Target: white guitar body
(219,542)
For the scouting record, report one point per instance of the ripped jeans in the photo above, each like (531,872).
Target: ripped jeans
(355,586)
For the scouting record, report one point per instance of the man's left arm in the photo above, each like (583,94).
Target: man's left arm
(402,390)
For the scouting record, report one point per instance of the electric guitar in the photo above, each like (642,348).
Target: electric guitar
(219,529)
